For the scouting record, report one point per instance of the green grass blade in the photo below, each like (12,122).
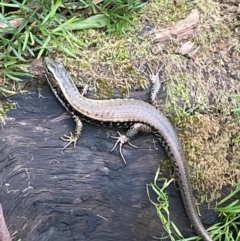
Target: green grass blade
(3,90)
(72,39)
(64,25)
(25,40)
(36,39)
(234,192)
(62,47)
(9,5)
(44,46)
(52,12)
(96,21)
(30,50)
(236,110)
(13,77)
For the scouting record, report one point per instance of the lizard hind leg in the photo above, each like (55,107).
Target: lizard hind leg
(122,139)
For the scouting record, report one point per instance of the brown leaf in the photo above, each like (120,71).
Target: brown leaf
(13,23)
(186,49)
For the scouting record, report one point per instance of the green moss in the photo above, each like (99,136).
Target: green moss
(212,151)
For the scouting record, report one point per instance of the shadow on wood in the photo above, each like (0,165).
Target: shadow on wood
(85,193)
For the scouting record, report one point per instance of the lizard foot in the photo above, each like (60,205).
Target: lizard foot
(122,139)
(70,139)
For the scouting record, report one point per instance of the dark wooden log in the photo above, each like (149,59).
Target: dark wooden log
(85,193)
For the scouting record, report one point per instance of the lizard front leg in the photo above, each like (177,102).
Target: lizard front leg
(125,138)
(72,138)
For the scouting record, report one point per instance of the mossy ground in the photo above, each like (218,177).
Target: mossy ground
(200,89)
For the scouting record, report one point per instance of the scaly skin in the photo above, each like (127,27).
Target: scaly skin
(130,111)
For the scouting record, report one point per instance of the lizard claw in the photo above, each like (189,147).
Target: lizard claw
(70,139)
(122,139)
